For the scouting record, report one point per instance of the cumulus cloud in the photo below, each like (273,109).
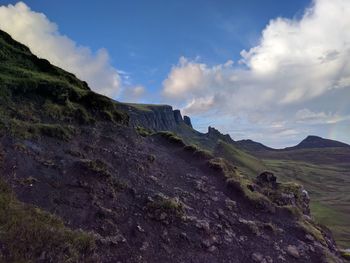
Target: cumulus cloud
(44,39)
(295,63)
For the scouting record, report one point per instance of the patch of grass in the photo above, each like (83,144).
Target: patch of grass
(171,137)
(166,204)
(117,185)
(144,132)
(312,229)
(198,152)
(345,254)
(144,107)
(97,166)
(55,131)
(28,233)
(239,183)
(247,163)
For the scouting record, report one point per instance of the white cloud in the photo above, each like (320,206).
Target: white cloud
(43,38)
(310,117)
(133,93)
(296,63)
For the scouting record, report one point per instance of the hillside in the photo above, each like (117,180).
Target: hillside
(322,166)
(83,180)
(318,142)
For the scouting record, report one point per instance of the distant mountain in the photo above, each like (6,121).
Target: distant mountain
(317,142)
(252,146)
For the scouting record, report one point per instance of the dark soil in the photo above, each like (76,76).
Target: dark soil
(146,199)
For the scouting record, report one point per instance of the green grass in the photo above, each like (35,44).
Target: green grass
(97,166)
(247,163)
(144,132)
(37,96)
(328,186)
(27,233)
(171,137)
(168,205)
(144,107)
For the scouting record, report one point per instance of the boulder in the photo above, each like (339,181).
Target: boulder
(266,179)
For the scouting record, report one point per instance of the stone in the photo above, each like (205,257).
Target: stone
(187,121)
(268,259)
(140,229)
(281,258)
(230,204)
(202,224)
(163,216)
(293,251)
(206,243)
(257,257)
(266,178)
(212,249)
(145,245)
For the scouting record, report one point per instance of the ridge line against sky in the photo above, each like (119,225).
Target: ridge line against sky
(290,80)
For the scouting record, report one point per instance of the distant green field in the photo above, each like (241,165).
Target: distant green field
(329,188)
(248,164)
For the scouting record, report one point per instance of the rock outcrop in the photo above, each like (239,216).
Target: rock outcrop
(216,134)
(187,121)
(155,117)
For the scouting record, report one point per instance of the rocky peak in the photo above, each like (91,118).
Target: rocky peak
(187,121)
(216,134)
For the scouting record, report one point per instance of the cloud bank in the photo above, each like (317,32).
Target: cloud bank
(296,65)
(44,39)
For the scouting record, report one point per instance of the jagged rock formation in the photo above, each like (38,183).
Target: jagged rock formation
(187,121)
(217,135)
(155,117)
(80,183)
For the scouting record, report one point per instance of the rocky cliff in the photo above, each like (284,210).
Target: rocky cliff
(155,117)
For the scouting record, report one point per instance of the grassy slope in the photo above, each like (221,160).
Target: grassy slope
(37,97)
(329,188)
(144,107)
(28,233)
(247,163)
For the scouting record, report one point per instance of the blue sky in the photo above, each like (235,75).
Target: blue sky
(270,70)
(145,38)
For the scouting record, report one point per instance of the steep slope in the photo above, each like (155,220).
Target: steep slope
(247,162)
(80,183)
(322,166)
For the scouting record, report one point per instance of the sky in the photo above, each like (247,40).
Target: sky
(272,71)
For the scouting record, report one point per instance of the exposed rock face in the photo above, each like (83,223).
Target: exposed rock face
(214,133)
(283,194)
(155,117)
(187,121)
(267,178)
(177,116)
